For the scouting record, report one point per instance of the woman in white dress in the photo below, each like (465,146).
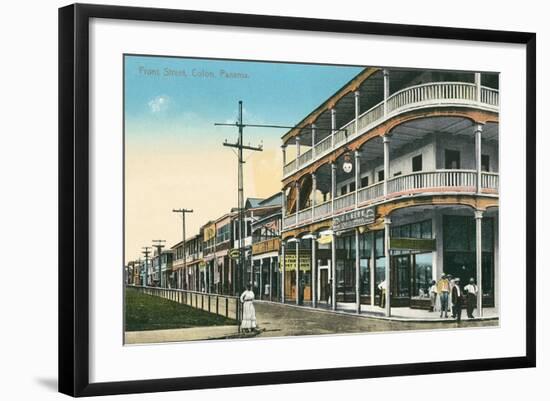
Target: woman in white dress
(248,322)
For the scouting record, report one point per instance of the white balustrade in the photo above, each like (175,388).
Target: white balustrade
(304,215)
(290,167)
(371,192)
(305,157)
(489,181)
(489,96)
(289,220)
(323,209)
(460,180)
(430,93)
(323,146)
(344,202)
(339,137)
(371,116)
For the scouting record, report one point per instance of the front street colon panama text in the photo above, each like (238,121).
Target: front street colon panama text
(194,73)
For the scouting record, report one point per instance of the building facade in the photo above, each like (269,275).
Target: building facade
(390,183)
(266,245)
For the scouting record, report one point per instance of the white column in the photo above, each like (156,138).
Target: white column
(297,201)
(357,110)
(386,141)
(283,147)
(357,272)
(283,269)
(387,224)
(313,193)
(357,176)
(332,184)
(313,135)
(261,290)
(283,205)
(298,151)
(333,271)
(478,214)
(297,284)
(314,272)
(386,74)
(477,80)
(332,125)
(478,130)
(372,267)
(270,278)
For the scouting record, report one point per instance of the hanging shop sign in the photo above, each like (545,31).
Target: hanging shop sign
(355,218)
(324,239)
(234,253)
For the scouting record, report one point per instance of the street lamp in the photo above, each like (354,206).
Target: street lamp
(348,165)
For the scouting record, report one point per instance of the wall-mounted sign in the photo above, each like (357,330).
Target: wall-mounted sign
(355,218)
(305,261)
(209,232)
(412,244)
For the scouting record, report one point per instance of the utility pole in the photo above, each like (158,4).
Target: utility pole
(240,146)
(183,211)
(159,247)
(146,252)
(240,189)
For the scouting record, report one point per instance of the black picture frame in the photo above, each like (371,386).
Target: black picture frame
(74,194)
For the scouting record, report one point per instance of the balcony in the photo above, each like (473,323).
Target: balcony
(438,94)
(424,182)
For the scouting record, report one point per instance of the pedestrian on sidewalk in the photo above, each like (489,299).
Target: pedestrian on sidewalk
(433,295)
(443,287)
(383,288)
(457,299)
(248,322)
(471,297)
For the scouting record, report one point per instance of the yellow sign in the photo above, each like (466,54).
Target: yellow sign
(305,261)
(325,239)
(209,232)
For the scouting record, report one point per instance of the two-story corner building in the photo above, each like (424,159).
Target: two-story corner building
(186,264)
(216,269)
(266,231)
(394,181)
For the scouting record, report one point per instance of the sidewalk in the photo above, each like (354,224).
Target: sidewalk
(174,335)
(405,314)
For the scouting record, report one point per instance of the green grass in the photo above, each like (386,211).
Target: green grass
(147,312)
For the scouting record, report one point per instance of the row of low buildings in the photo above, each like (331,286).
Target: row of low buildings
(207,261)
(392,181)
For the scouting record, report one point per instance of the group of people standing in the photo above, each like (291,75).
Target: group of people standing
(447,288)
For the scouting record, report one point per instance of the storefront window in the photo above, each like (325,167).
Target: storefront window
(422,274)
(459,242)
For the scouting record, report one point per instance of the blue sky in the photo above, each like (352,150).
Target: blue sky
(174,155)
(273,93)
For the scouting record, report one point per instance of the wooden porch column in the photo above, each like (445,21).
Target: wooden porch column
(478,130)
(332,126)
(478,214)
(387,225)
(357,272)
(283,266)
(386,141)
(357,176)
(314,272)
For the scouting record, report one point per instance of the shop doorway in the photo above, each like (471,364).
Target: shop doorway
(324,285)
(401,280)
